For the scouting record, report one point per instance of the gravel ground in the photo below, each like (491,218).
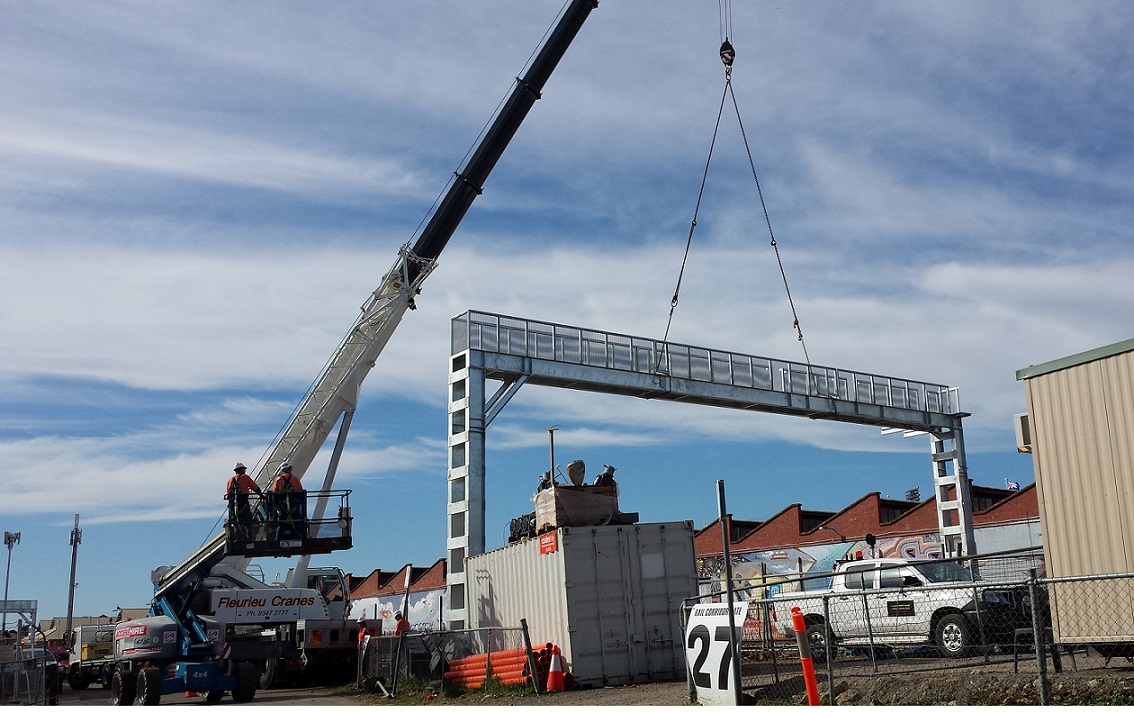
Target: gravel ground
(970,687)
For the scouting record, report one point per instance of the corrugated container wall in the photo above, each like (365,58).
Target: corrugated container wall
(1082,424)
(609,597)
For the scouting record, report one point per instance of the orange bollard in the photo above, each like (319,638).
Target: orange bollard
(800,627)
(555,673)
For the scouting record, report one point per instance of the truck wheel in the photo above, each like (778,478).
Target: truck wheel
(149,686)
(818,638)
(952,636)
(269,674)
(123,688)
(247,678)
(76,679)
(106,675)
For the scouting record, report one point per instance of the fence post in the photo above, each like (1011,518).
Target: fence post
(531,655)
(690,688)
(1037,636)
(397,664)
(829,648)
(977,598)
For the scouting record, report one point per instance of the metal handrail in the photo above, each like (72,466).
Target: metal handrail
(516,336)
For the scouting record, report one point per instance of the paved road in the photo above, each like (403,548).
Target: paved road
(98,696)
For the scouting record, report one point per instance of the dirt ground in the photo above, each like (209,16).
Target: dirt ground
(969,687)
(972,687)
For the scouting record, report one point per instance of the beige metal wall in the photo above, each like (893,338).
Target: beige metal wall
(1082,423)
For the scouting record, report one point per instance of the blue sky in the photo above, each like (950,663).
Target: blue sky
(196,198)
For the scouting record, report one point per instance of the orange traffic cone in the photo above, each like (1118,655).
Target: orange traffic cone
(555,673)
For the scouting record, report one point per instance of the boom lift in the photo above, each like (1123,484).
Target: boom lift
(187,644)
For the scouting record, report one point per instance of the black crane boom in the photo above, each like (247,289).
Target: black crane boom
(470,180)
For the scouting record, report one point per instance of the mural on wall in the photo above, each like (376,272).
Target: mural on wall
(769,569)
(425,609)
(761,575)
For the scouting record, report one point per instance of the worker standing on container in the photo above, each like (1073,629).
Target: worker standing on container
(290,504)
(238,493)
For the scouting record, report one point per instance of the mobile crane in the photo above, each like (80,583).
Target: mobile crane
(186,645)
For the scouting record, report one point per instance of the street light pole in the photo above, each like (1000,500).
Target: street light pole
(11,539)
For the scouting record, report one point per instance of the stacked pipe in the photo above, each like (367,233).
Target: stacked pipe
(508,666)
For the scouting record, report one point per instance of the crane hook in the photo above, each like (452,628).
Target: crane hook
(728,54)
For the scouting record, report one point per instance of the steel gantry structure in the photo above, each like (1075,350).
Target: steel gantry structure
(515,351)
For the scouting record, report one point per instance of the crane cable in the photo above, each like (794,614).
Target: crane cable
(693,224)
(727,55)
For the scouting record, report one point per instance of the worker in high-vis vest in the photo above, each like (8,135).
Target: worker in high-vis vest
(290,504)
(238,492)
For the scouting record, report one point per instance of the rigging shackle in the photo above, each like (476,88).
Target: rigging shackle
(728,54)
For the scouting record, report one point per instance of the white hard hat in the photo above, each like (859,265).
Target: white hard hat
(238,466)
(285,466)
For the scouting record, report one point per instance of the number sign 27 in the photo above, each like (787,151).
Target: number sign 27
(701,677)
(709,653)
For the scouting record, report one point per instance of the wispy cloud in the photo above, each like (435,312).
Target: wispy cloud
(195,200)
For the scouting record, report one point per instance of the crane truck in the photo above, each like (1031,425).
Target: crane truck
(213,630)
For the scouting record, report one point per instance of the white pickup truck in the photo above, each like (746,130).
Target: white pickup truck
(905,602)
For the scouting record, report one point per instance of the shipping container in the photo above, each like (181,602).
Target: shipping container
(608,596)
(1080,430)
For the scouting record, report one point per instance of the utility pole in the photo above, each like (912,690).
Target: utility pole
(11,539)
(76,538)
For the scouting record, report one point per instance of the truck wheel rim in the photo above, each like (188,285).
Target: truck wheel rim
(952,637)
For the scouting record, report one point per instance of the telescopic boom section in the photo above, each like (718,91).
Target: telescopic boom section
(336,389)
(470,181)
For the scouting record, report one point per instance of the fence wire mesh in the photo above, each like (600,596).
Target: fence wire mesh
(982,613)
(427,657)
(30,681)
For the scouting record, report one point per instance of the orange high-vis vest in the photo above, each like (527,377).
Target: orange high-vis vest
(287,483)
(242,483)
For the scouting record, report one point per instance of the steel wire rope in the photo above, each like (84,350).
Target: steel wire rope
(768,222)
(727,55)
(692,227)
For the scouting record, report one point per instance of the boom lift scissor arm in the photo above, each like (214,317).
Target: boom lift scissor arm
(335,392)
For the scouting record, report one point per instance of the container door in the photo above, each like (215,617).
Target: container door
(668,575)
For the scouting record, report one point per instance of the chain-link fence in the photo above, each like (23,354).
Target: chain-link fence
(878,619)
(436,659)
(30,681)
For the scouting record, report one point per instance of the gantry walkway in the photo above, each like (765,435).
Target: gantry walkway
(517,351)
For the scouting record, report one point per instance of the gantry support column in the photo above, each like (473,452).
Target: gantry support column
(954,496)
(465,535)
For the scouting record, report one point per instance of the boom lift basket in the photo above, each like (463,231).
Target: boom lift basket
(276,524)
